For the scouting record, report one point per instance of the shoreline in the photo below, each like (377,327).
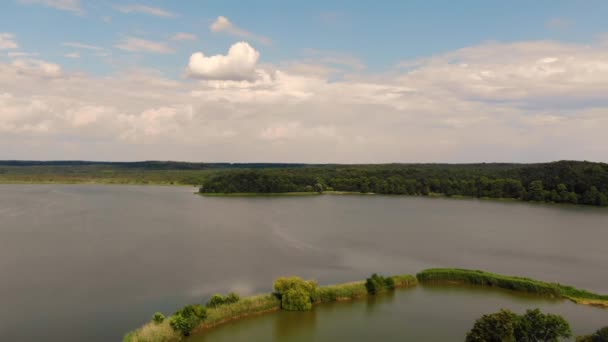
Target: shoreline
(268,303)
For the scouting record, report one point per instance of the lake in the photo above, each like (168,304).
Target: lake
(91,262)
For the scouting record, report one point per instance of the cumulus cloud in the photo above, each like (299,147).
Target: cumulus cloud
(182,36)
(134,44)
(223,24)
(239,64)
(138,8)
(525,102)
(7,41)
(73,6)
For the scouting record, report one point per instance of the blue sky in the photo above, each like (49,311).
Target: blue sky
(307,81)
(379,34)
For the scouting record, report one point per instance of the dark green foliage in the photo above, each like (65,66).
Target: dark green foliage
(535,326)
(377,284)
(217,300)
(188,318)
(561,182)
(295,293)
(599,336)
(496,327)
(182,324)
(158,317)
(506,326)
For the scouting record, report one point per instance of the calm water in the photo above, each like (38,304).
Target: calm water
(88,263)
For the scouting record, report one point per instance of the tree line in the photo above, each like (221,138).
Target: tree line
(559,182)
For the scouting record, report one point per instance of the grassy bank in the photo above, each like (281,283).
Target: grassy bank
(520,284)
(163,332)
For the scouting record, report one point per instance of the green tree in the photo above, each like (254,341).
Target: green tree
(496,327)
(377,283)
(506,326)
(295,293)
(536,191)
(600,335)
(534,326)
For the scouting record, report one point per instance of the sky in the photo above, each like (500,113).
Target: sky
(306,81)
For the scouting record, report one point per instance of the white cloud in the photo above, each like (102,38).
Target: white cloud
(83,46)
(182,36)
(36,67)
(239,64)
(16,54)
(141,45)
(526,102)
(72,55)
(138,8)
(223,24)
(7,41)
(73,6)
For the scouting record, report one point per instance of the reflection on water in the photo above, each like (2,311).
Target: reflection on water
(103,258)
(435,313)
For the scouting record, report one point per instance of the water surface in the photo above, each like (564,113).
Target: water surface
(90,262)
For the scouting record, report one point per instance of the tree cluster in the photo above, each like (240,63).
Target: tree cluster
(558,182)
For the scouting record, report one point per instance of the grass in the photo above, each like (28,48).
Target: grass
(244,307)
(520,284)
(152,332)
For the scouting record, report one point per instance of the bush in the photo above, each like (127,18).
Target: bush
(232,297)
(158,317)
(377,284)
(188,318)
(506,326)
(215,301)
(599,336)
(295,293)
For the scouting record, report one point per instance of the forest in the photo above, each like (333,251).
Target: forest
(572,182)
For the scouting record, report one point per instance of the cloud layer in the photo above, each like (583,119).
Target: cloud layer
(527,101)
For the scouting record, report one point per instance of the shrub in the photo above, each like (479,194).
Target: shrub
(215,300)
(496,327)
(232,297)
(183,325)
(295,293)
(158,317)
(506,326)
(377,283)
(188,318)
(599,336)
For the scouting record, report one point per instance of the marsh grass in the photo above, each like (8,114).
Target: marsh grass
(520,284)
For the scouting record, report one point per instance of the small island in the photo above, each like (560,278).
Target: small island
(296,294)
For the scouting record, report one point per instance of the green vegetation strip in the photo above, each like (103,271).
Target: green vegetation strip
(155,331)
(296,294)
(481,278)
